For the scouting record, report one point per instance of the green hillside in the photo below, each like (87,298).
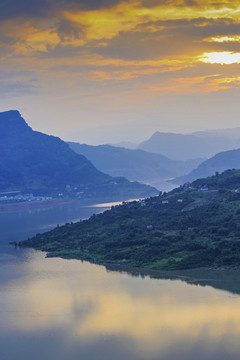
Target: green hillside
(197,225)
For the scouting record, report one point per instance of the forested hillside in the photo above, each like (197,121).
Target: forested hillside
(196,225)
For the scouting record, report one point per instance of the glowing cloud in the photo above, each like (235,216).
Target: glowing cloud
(141,51)
(27,38)
(221,39)
(126,16)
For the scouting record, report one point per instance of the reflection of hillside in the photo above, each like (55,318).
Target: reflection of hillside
(228,280)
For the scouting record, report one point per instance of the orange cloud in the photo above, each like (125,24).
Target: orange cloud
(90,29)
(28,38)
(190,85)
(126,16)
(222,39)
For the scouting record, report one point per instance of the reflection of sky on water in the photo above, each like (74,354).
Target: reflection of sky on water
(94,314)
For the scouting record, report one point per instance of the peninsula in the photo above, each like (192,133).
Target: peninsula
(195,225)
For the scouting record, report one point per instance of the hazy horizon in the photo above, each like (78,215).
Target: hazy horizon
(104,133)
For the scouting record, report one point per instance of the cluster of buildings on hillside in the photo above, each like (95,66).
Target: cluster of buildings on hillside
(18,197)
(188,186)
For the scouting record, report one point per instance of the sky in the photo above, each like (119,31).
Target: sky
(105,71)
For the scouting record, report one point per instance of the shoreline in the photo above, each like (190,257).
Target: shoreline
(120,266)
(34,205)
(45,204)
(218,278)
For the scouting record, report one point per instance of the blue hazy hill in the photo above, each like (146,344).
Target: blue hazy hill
(203,144)
(30,160)
(220,162)
(134,164)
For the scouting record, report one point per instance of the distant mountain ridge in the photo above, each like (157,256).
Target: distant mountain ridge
(187,146)
(133,164)
(218,163)
(33,161)
(230,133)
(126,145)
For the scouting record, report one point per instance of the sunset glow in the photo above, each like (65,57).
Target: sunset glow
(119,50)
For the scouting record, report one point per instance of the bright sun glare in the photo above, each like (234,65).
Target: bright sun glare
(224,57)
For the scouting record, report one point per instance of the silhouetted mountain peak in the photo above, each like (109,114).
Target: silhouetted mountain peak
(31,161)
(12,123)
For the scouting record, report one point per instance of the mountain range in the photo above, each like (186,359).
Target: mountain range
(203,144)
(33,161)
(138,165)
(218,163)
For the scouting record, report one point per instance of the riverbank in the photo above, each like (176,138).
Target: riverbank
(226,279)
(223,278)
(33,205)
(44,204)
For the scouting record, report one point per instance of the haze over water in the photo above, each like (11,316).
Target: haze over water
(68,309)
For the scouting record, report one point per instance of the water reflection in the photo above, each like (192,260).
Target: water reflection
(219,278)
(80,310)
(68,310)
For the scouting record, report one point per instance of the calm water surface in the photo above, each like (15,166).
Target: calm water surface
(68,309)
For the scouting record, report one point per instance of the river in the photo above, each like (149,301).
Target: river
(56,309)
